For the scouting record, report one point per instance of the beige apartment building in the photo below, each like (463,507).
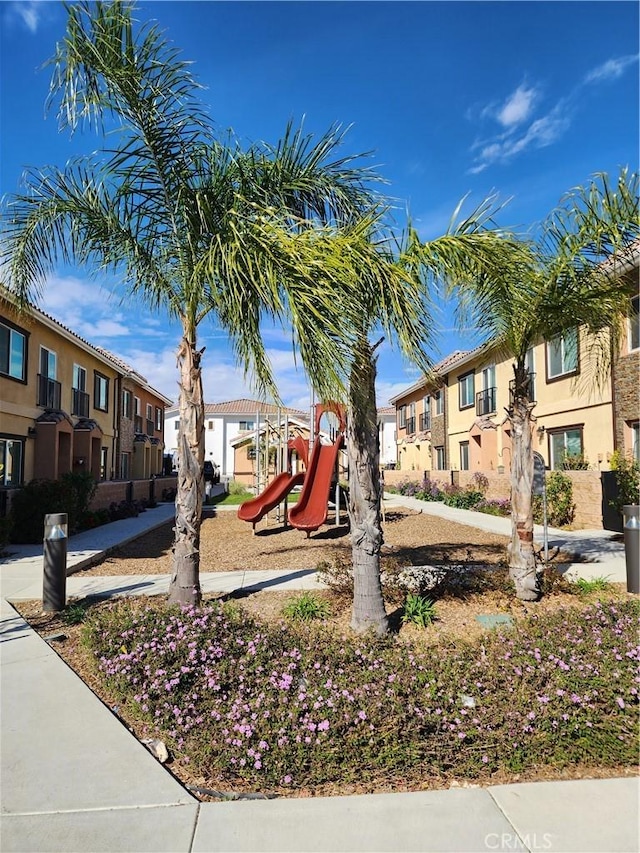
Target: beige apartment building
(456,419)
(67,405)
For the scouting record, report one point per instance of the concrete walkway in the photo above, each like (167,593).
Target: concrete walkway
(74,779)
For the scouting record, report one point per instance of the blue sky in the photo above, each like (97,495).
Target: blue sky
(527,99)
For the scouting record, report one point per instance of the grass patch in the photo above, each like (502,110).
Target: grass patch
(306,607)
(587,586)
(237,499)
(279,706)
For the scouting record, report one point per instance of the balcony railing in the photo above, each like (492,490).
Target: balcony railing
(529,389)
(425,421)
(411,426)
(48,392)
(151,427)
(79,403)
(486,402)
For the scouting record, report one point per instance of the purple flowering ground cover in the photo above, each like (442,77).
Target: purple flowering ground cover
(275,707)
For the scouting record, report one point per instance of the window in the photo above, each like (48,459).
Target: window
(464,455)
(100,392)
(125,466)
(486,401)
(466,390)
(11,461)
(411,420)
(564,443)
(562,355)
(635,441)
(126,404)
(104,456)
(243,426)
(425,417)
(48,388)
(137,406)
(149,412)
(402,417)
(13,353)
(210,425)
(79,397)
(159,419)
(634,324)
(439,401)
(439,458)
(177,424)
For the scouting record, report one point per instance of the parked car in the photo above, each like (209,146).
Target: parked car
(211,472)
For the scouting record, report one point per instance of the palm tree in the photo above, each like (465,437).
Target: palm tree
(167,194)
(559,282)
(384,286)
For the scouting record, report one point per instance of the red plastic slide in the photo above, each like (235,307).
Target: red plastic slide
(311,510)
(274,494)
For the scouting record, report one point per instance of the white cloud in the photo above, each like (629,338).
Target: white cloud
(28,13)
(612,69)
(518,106)
(540,133)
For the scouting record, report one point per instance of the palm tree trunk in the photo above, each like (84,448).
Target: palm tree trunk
(363,452)
(522,567)
(185,579)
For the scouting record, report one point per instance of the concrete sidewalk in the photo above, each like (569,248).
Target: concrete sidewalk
(74,779)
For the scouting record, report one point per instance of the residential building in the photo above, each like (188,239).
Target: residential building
(63,405)
(387,436)
(224,422)
(422,420)
(576,419)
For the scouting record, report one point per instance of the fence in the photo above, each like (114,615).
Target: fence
(587,490)
(113,491)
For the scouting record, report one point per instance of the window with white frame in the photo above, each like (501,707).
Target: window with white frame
(126,404)
(137,406)
(244,426)
(11,455)
(464,455)
(562,355)
(149,412)
(402,417)
(13,353)
(104,457)
(466,390)
(635,441)
(438,399)
(564,444)
(634,324)
(159,419)
(125,466)
(439,460)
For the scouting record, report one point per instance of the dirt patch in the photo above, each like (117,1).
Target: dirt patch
(228,544)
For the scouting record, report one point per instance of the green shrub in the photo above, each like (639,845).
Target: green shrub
(306,607)
(627,474)
(588,585)
(560,505)
(418,610)
(72,494)
(236,488)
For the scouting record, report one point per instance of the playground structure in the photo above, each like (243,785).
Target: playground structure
(311,510)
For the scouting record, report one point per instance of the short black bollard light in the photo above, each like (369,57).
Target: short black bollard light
(632,546)
(54,587)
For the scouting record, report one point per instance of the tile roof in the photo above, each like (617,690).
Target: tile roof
(387,410)
(250,407)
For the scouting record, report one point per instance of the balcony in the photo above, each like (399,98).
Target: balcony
(411,426)
(486,402)
(137,423)
(151,427)
(79,403)
(48,392)
(425,422)
(529,389)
